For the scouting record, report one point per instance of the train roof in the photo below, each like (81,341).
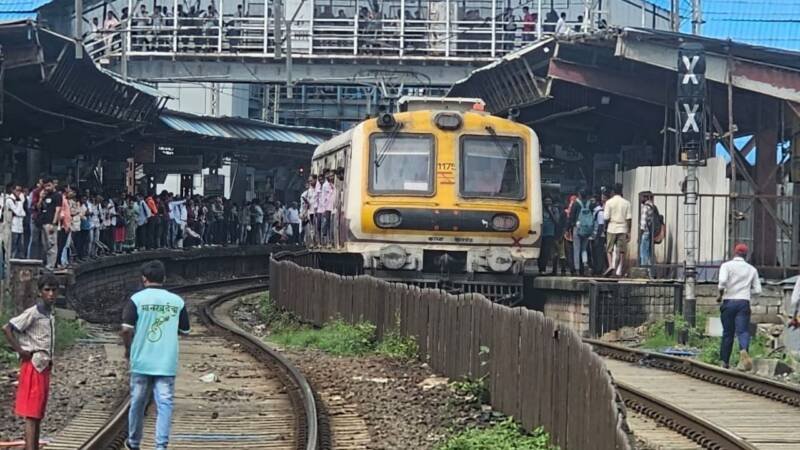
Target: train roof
(461,104)
(334,143)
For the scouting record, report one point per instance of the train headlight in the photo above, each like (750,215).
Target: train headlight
(388,218)
(448,121)
(499,259)
(505,222)
(393,257)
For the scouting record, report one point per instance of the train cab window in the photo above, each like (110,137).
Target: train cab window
(401,163)
(491,167)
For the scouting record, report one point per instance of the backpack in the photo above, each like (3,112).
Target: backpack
(659,229)
(585,226)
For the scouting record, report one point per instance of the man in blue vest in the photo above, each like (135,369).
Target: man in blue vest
(151,322)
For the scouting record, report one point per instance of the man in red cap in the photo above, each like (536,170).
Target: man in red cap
(738,280)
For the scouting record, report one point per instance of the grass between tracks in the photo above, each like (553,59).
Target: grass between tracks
(505,435)
(657,338)
(335,337)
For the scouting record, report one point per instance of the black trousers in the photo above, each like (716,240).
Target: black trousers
(548,254)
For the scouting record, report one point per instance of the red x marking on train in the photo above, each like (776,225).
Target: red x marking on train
(516,241)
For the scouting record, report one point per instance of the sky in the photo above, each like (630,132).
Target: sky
(771,23)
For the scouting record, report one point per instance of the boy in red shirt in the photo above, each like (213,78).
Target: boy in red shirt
(32,334)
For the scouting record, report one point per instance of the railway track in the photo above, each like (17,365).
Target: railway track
(715,408)
(251,398)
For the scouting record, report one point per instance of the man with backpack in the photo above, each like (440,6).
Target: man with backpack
(647,228)
(598,239)
(581,219)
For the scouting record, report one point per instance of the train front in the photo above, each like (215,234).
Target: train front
(446,191)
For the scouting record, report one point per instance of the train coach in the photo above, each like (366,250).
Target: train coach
(438,193)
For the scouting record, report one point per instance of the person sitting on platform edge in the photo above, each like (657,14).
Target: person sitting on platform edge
(151,322)
(738,281)
(32,334)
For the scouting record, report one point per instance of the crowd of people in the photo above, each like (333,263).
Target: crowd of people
(60,224)
(199,27)
(589,234)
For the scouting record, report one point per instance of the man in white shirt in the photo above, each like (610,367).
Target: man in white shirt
(326,204)
(292,220)
(617,214)
(794,306)
(561,26)
(309,201)
(319,209)
(15,204)
(738,280)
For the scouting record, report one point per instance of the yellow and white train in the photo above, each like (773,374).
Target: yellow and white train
(438,190)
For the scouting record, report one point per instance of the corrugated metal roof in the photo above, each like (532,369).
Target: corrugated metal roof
(18,6)
(244,129)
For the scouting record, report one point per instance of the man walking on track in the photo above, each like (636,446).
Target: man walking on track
(151,321)
(738,280)
(32,334)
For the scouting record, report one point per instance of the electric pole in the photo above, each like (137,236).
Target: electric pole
(697,17)
(675,15)
(79,29)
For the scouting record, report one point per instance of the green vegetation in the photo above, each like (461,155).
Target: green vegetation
(277,319)
(657,338)
(336,337)
(395,345)
(7,356)
(505,435)
(472,390)
(67,332)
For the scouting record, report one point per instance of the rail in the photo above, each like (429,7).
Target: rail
(704,432)
(774,390)
(692,426)
(111,435)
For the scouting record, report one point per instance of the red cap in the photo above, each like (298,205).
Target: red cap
(740,249)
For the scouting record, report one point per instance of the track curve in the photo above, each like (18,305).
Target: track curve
(213,343)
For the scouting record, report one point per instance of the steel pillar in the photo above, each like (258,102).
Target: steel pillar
(764,227)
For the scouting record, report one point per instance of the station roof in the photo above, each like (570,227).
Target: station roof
(71,106)
(51,94)
(622,83)
(20,9)
(241,129)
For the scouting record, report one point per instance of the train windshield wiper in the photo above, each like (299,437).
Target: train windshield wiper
(384,151)
(506,153)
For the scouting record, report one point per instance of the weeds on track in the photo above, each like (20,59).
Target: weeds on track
(336,337)
(505,435)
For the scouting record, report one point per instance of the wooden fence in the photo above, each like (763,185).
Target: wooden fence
(537,372)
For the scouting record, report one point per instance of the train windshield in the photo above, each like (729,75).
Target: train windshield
(491,166)
(401,163)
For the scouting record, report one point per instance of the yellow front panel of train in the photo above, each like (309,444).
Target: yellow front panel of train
(418,171)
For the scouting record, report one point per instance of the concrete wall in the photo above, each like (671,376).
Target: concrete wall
(565,301)
(98,290)
(570,302)
(765,308)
